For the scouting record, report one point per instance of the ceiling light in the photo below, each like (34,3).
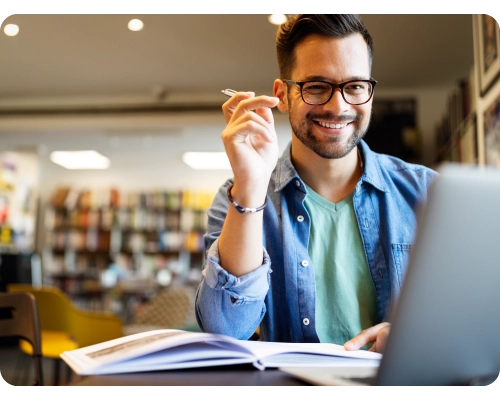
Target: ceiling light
(206,160)
(87,159)
(277,19)
(11,30)
(135,25)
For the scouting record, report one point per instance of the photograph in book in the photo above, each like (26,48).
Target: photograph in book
(168,349)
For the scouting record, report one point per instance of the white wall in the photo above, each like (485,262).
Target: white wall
(148,165)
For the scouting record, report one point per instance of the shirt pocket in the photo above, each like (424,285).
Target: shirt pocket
(401,255)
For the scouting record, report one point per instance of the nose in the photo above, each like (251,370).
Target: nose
(337,104)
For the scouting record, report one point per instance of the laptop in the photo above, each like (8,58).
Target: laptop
(446,323)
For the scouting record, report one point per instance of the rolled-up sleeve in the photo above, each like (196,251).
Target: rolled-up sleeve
(225,303)
(247,288)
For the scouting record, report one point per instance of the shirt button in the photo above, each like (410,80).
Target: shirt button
(300,218)
(305,321)
(304,263)
(297,182)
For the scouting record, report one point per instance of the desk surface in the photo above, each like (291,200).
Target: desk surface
(239,375)
(218,376)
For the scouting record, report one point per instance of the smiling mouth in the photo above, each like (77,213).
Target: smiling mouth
(331,125)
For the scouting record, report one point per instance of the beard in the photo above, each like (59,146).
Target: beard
(333,146)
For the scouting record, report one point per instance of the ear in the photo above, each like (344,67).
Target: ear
(280,90)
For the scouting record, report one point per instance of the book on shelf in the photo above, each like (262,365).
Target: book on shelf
(169,349)
(114,198)
(59,196)
(85,199)
(170,241)
(172,200)
(455,139)
(468,144)
(99,222)
(71,199)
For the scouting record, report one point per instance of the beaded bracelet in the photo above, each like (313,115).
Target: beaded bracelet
(241,209)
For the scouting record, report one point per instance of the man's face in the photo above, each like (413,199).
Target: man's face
(333,129)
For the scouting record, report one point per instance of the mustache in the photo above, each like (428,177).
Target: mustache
(328,115)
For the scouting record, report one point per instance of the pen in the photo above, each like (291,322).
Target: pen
(228,92)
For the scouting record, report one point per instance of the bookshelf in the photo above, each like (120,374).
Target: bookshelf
(109,249)
(456,134)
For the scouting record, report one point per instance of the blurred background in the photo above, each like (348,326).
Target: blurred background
(143,90)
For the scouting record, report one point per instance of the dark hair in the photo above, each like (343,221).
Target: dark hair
(299,26)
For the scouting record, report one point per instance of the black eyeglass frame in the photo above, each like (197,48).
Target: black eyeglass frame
(334,86)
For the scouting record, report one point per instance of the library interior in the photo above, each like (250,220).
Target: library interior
(111,153)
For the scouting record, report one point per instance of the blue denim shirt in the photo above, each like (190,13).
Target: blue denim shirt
(280,294)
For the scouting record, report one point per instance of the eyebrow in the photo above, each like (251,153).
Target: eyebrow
(324,78)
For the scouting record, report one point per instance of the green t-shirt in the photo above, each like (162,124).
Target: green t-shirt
(345,294)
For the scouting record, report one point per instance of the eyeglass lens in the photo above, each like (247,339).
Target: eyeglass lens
(319,92)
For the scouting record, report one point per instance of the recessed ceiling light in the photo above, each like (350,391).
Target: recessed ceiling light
(85,159)
(277,19)
(206,160)
(135,25)
(11,30)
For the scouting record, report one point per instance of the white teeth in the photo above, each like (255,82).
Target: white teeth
(327,125)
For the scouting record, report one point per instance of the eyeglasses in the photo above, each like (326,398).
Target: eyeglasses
(316,93)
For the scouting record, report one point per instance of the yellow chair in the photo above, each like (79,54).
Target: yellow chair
(65,327)
(20,319)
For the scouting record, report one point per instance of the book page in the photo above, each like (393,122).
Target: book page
(265,350)
(175,349)
(185,356)
(144,346)
(316,360)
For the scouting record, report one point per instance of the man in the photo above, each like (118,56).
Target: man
(322,254)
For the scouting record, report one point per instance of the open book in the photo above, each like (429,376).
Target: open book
(175,349)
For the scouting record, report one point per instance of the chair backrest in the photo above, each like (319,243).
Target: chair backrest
(170,308)
(58,313)
(53,305)
(22,321)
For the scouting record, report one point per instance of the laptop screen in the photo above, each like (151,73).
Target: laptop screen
(446,323)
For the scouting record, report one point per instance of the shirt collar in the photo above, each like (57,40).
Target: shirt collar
(372,174)
(285,171)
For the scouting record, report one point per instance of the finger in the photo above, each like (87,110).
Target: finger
(248,127)
(367,336)
(268,128)
(252,104)
(266,114)
(381,340)
(230,105)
